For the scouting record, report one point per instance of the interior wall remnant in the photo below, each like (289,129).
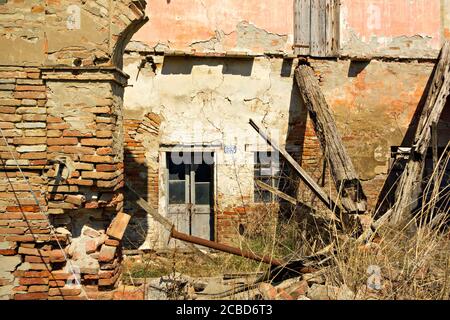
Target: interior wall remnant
(445,14)
(366,28)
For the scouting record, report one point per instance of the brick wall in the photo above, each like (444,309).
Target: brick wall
(73,165)
(141,163)
(61,92)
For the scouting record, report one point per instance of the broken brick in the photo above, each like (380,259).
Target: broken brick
(107,253)
(118,226)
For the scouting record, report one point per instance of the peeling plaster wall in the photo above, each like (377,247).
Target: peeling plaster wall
(406,28)
(210,100)
(219,25)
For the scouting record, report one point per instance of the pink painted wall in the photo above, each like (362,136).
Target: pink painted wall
(391,25)
(179,23)
(395,27)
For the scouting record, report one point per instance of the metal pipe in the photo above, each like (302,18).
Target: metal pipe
(222,247)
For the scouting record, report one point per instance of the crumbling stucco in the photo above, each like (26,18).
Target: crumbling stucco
(93,31)
(208,101)
(404,28)
(250,26)
(394,28)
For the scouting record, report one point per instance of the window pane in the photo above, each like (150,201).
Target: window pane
(203,173)
(262,195)
(267,172)
(202,193)
(176,172)
(177,192)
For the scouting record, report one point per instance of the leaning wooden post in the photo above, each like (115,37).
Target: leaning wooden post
(410,184)
(344,174)
(304,176)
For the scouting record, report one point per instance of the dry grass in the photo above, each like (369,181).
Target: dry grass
(409,262)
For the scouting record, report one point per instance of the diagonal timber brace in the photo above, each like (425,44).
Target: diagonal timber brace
(409,187)
(344,174)
(306,178)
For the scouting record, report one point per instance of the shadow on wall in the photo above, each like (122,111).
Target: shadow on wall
(356,67)
(298,116)
(184,65)
(136,175)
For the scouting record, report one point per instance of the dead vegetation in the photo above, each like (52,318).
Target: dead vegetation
(411,261)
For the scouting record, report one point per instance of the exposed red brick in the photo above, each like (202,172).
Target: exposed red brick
(37,289)
(107,253)
(97,159)
(31,296)
(29,95)
(106,167)
(22,209)
(33,281)
(62,141)
(12,231)
(96,142)
(64,292)
(76,133)
(57,256)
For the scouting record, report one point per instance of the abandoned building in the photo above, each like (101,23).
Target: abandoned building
(114,112)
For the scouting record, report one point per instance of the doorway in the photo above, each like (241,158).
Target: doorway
(190,192)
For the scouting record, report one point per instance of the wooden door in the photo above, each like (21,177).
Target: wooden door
(190,196)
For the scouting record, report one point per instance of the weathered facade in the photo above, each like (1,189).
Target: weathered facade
(196,85)
(170,119)
(61,98)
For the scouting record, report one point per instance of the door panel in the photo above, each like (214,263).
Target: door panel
(178,194)
(190,193)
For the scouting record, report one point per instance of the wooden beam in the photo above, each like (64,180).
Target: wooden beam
(434,143)
(163,221)
(410,184)
(344,174)
(276,192)
(306,178)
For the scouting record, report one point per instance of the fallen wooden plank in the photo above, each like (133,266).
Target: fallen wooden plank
(344,174)
(163,221)
(276,192)
(410,185)
(306,178)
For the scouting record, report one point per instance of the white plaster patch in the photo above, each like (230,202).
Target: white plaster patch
(74,19)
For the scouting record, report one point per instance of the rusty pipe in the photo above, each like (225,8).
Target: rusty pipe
(222,247)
